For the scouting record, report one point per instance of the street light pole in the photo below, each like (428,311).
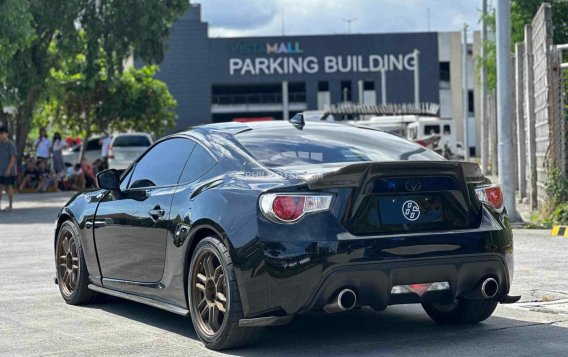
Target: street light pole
(504,107)
(465,98)
(484,140)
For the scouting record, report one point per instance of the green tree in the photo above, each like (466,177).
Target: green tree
(54,32)
(522,13)
(138,101)
(28,30)
(110,32)
(133,100)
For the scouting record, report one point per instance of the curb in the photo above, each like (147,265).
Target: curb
(560,231)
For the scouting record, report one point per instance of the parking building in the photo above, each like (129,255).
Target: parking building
(221,79)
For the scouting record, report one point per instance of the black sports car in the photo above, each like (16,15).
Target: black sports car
(242,226)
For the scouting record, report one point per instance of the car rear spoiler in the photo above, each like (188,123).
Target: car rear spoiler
(357,174)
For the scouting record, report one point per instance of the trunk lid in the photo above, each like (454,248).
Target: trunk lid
(402,196)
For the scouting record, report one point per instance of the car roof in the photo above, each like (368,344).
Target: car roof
(236,127)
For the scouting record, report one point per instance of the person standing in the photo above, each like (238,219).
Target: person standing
(57,151)
(42,145)
(8,172)
(104,141)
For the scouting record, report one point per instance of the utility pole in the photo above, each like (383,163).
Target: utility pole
(428,17)
(504,107)
(349,21)
(283,23)
(483,95)
(465,96)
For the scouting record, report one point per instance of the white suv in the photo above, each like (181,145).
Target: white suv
(125,148)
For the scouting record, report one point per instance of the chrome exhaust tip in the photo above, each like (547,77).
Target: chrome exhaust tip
(489,288)
(346,300)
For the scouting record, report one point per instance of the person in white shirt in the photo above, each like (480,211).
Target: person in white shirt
(57,154)
(104,141)
(42,145)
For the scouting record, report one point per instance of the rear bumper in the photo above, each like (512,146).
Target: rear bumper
(297,276)
(373,282)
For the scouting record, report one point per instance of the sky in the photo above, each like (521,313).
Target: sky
(231,18)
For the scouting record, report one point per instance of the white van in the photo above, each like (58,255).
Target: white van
(125,148)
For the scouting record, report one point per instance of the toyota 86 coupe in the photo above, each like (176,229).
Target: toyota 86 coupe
(243,226)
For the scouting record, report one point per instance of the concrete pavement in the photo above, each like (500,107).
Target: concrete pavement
(34,320)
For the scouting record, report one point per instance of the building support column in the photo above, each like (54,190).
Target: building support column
(360,91)
(383,87)
(285,106)
(416,79)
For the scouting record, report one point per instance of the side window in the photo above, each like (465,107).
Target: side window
(162,165)
(125,180)
(431,129)
(198,164)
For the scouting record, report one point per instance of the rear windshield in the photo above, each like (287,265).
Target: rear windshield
(321,144)
(131,140)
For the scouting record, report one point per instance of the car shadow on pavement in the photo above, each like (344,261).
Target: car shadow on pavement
(149,315)
(29,215)
(30,208)
(401,330)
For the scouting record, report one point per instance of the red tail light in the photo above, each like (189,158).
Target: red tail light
(110,153)
(491,194)
(288,208)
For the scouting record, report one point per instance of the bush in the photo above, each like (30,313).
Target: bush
(560,215)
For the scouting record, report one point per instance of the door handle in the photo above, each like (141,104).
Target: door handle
(157,212)
(96,224)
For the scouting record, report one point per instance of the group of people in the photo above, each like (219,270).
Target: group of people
(45,171)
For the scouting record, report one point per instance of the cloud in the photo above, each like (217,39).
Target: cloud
(230,18)
(240,15)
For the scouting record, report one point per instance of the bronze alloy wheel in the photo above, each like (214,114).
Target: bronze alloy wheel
(67,262)
(209,292)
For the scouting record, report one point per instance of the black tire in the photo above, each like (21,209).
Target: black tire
(72,286)
(229,334)
(460,311)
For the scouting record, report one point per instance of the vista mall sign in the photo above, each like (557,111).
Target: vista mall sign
(288,58)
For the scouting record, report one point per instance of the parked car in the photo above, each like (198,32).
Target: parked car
(242,226)
(92,152)
(125,148)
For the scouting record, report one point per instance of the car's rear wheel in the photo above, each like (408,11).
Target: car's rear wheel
(460,311)
(214,299)
(72,275)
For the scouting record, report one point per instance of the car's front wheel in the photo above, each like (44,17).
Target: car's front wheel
(214,299)
(460,311)
(72,275)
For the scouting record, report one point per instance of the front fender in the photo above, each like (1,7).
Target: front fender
(81,209)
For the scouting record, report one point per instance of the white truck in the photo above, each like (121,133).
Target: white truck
(421,129)
(447,145)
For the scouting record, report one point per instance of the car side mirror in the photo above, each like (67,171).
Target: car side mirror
(109,180)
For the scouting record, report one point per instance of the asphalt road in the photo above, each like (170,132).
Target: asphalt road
(34,320)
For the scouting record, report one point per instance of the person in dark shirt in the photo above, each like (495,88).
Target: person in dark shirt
(31,175)
(8,172)
(45,177)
